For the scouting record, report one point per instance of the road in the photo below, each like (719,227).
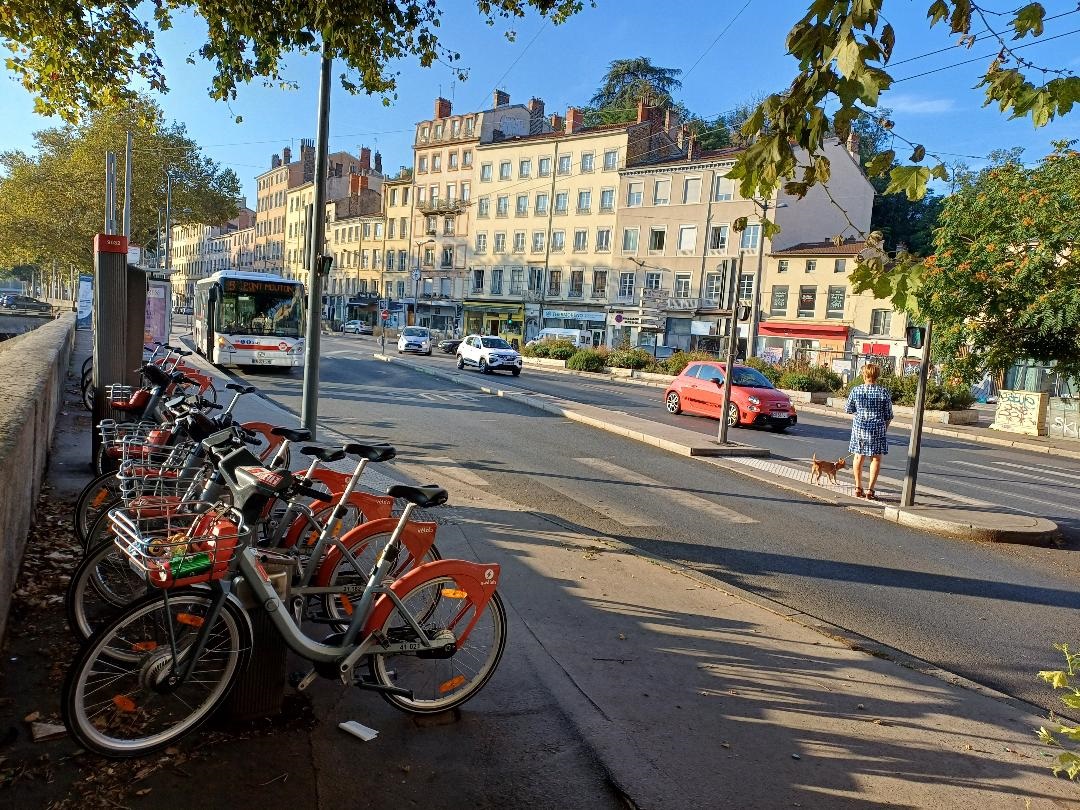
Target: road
(989,613)
(1047,486)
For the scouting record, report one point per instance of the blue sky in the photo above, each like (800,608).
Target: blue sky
(563,65)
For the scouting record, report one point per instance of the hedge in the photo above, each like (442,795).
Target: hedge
(586,360)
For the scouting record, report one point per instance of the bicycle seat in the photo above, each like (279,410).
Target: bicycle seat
(293,434)
(424,497)
(326,454)
(372,452)
(182,353)
(241,389)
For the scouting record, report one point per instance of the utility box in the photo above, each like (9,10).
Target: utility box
(1063,418)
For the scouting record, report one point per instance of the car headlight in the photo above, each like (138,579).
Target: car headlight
(753,400)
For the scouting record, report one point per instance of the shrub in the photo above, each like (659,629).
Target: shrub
(528,351)
(540,349)
(586,360)
(561,349)
(902,390)
(626,357)
(771,371)
(796,381)
(675,364)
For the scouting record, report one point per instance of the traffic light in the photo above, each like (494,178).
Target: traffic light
(916,336)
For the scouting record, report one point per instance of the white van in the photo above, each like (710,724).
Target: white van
(578,337)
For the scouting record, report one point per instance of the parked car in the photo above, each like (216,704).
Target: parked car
(26,302)
(754,401)
(488,354)
(414,339)
(449,346)
(358,328)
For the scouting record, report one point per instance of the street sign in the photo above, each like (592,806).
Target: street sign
(386,314)
(415,275)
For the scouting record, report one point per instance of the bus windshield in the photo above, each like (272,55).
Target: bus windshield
(270,308)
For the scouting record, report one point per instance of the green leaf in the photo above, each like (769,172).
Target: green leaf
(1029,20)
(1056,678)
(937,12)
(849,58)
(739,224)
(881,163)
(911,180)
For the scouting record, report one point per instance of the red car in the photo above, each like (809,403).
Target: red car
(754,400)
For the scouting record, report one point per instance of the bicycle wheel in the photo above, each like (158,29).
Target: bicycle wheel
(437,683)
(101,587)
(209,393)
(87,385)
(339,606)
(121,705)
(87,366)
(97,498)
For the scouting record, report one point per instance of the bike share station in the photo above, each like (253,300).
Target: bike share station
(132,306)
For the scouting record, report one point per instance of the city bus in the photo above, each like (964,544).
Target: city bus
(249,319)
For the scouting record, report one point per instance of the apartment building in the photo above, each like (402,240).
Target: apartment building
(545,222)
(197,250)
(398,208)
(271,206)
(240,246)
(677,251)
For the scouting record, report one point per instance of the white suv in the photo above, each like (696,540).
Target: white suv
(488,354)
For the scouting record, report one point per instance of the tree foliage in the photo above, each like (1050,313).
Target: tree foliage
(82,56)
(52,201)
(1065,736)
(1003,284)
(843,48)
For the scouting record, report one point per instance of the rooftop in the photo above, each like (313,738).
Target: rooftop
(827,247)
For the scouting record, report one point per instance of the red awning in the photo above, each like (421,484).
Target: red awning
(804,330)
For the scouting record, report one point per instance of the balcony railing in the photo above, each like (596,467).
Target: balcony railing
(441,206)
(576,292)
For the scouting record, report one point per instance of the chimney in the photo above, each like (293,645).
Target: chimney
(365,158)
(442,108)
(536,116)
(671,121)
(853,147)
(501,98)
(556,122)
(642,110)
(378,163)
(286,156)
(574,119)
(275,161)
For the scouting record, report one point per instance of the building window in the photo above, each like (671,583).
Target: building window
(652,280)
(401,289)
(782,266)
(438,132)
(391,228)
(562,201)
(402,260)
(436,163)
(577,284)
(500,242)
(564,164)
(522,205)
(538,241)
(430,225)
(485,172)
(423,164)
(811,265)
(481,243)
(750,237)
(504,170)
(718,235)
(692,190)
(451,192)
(451,160)
(633,194)
(502,206)
(434,195)
(468,126)
(881,322)
(525,168)
(519,241)
(687,238)
(517,280)
(611,160)
(558,241)
(682,285)
(723,190)
(544,166)
(626,285)
(405,195)
(477,281)
(541,203)
(393,196)
(629,240)
(714,286)
(657,237)
(839,265)
(448,226)
(807,302)
(390,260)
(662,192)
(466,158)
(603,240)
(483,207)
(599,284)
(429,257)
(584,202)
(554,285)
(581,240)
(447,257)
(607,199)
(496,280)
(834,304)
(466,191)
(586,161)
(746,287)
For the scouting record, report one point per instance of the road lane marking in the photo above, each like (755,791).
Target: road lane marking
(440,465)
(610,508)
(1013,494)
(688,499)
(1071,476)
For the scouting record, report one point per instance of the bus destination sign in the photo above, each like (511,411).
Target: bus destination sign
(235,285)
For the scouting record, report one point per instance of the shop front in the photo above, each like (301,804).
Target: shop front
(591,321)
(817,343)
(362,307)
(505,320)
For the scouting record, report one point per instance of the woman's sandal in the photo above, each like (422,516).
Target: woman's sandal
(859,493)
(870,496)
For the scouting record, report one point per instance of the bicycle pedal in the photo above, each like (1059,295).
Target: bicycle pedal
(301,681)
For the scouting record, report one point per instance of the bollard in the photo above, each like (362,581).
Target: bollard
(260,689)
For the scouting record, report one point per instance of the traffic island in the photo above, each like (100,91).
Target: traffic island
(976,524)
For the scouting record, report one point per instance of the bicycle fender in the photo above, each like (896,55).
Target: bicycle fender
(478,580)
(272,441)
(373,506)
(417,538)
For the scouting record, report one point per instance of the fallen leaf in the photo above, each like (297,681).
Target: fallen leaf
(30,718)
(143,792)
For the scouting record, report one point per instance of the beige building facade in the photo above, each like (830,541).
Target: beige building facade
(398,207)
(198,250)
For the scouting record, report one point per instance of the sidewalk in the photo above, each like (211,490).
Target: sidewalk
(938,511)
(621,670)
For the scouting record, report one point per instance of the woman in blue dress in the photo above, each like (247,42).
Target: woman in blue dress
(873,411)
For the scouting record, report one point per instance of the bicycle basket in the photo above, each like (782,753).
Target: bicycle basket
(112,431)
(197,544)
(164,473)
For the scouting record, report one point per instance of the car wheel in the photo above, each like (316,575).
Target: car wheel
(460,361)
(429,352)
(484,366)
(515,371)
(733,415)
(672,403)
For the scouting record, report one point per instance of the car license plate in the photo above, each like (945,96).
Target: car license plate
(261,362)
(779,414)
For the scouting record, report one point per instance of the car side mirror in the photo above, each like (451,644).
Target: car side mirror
(719,382)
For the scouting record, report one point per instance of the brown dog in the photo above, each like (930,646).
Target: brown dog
(829,468)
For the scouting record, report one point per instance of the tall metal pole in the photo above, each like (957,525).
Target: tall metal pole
(755,317)
(168,221)
(309,410)
(732,343)
(907,495)
(110,193)
(127,188)
(157,240)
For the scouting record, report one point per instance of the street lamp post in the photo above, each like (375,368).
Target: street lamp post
(416,280)
(755,310)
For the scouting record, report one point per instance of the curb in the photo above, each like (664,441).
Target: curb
(1036,531)
(553,406)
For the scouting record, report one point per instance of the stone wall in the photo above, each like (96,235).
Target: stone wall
(33,372)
